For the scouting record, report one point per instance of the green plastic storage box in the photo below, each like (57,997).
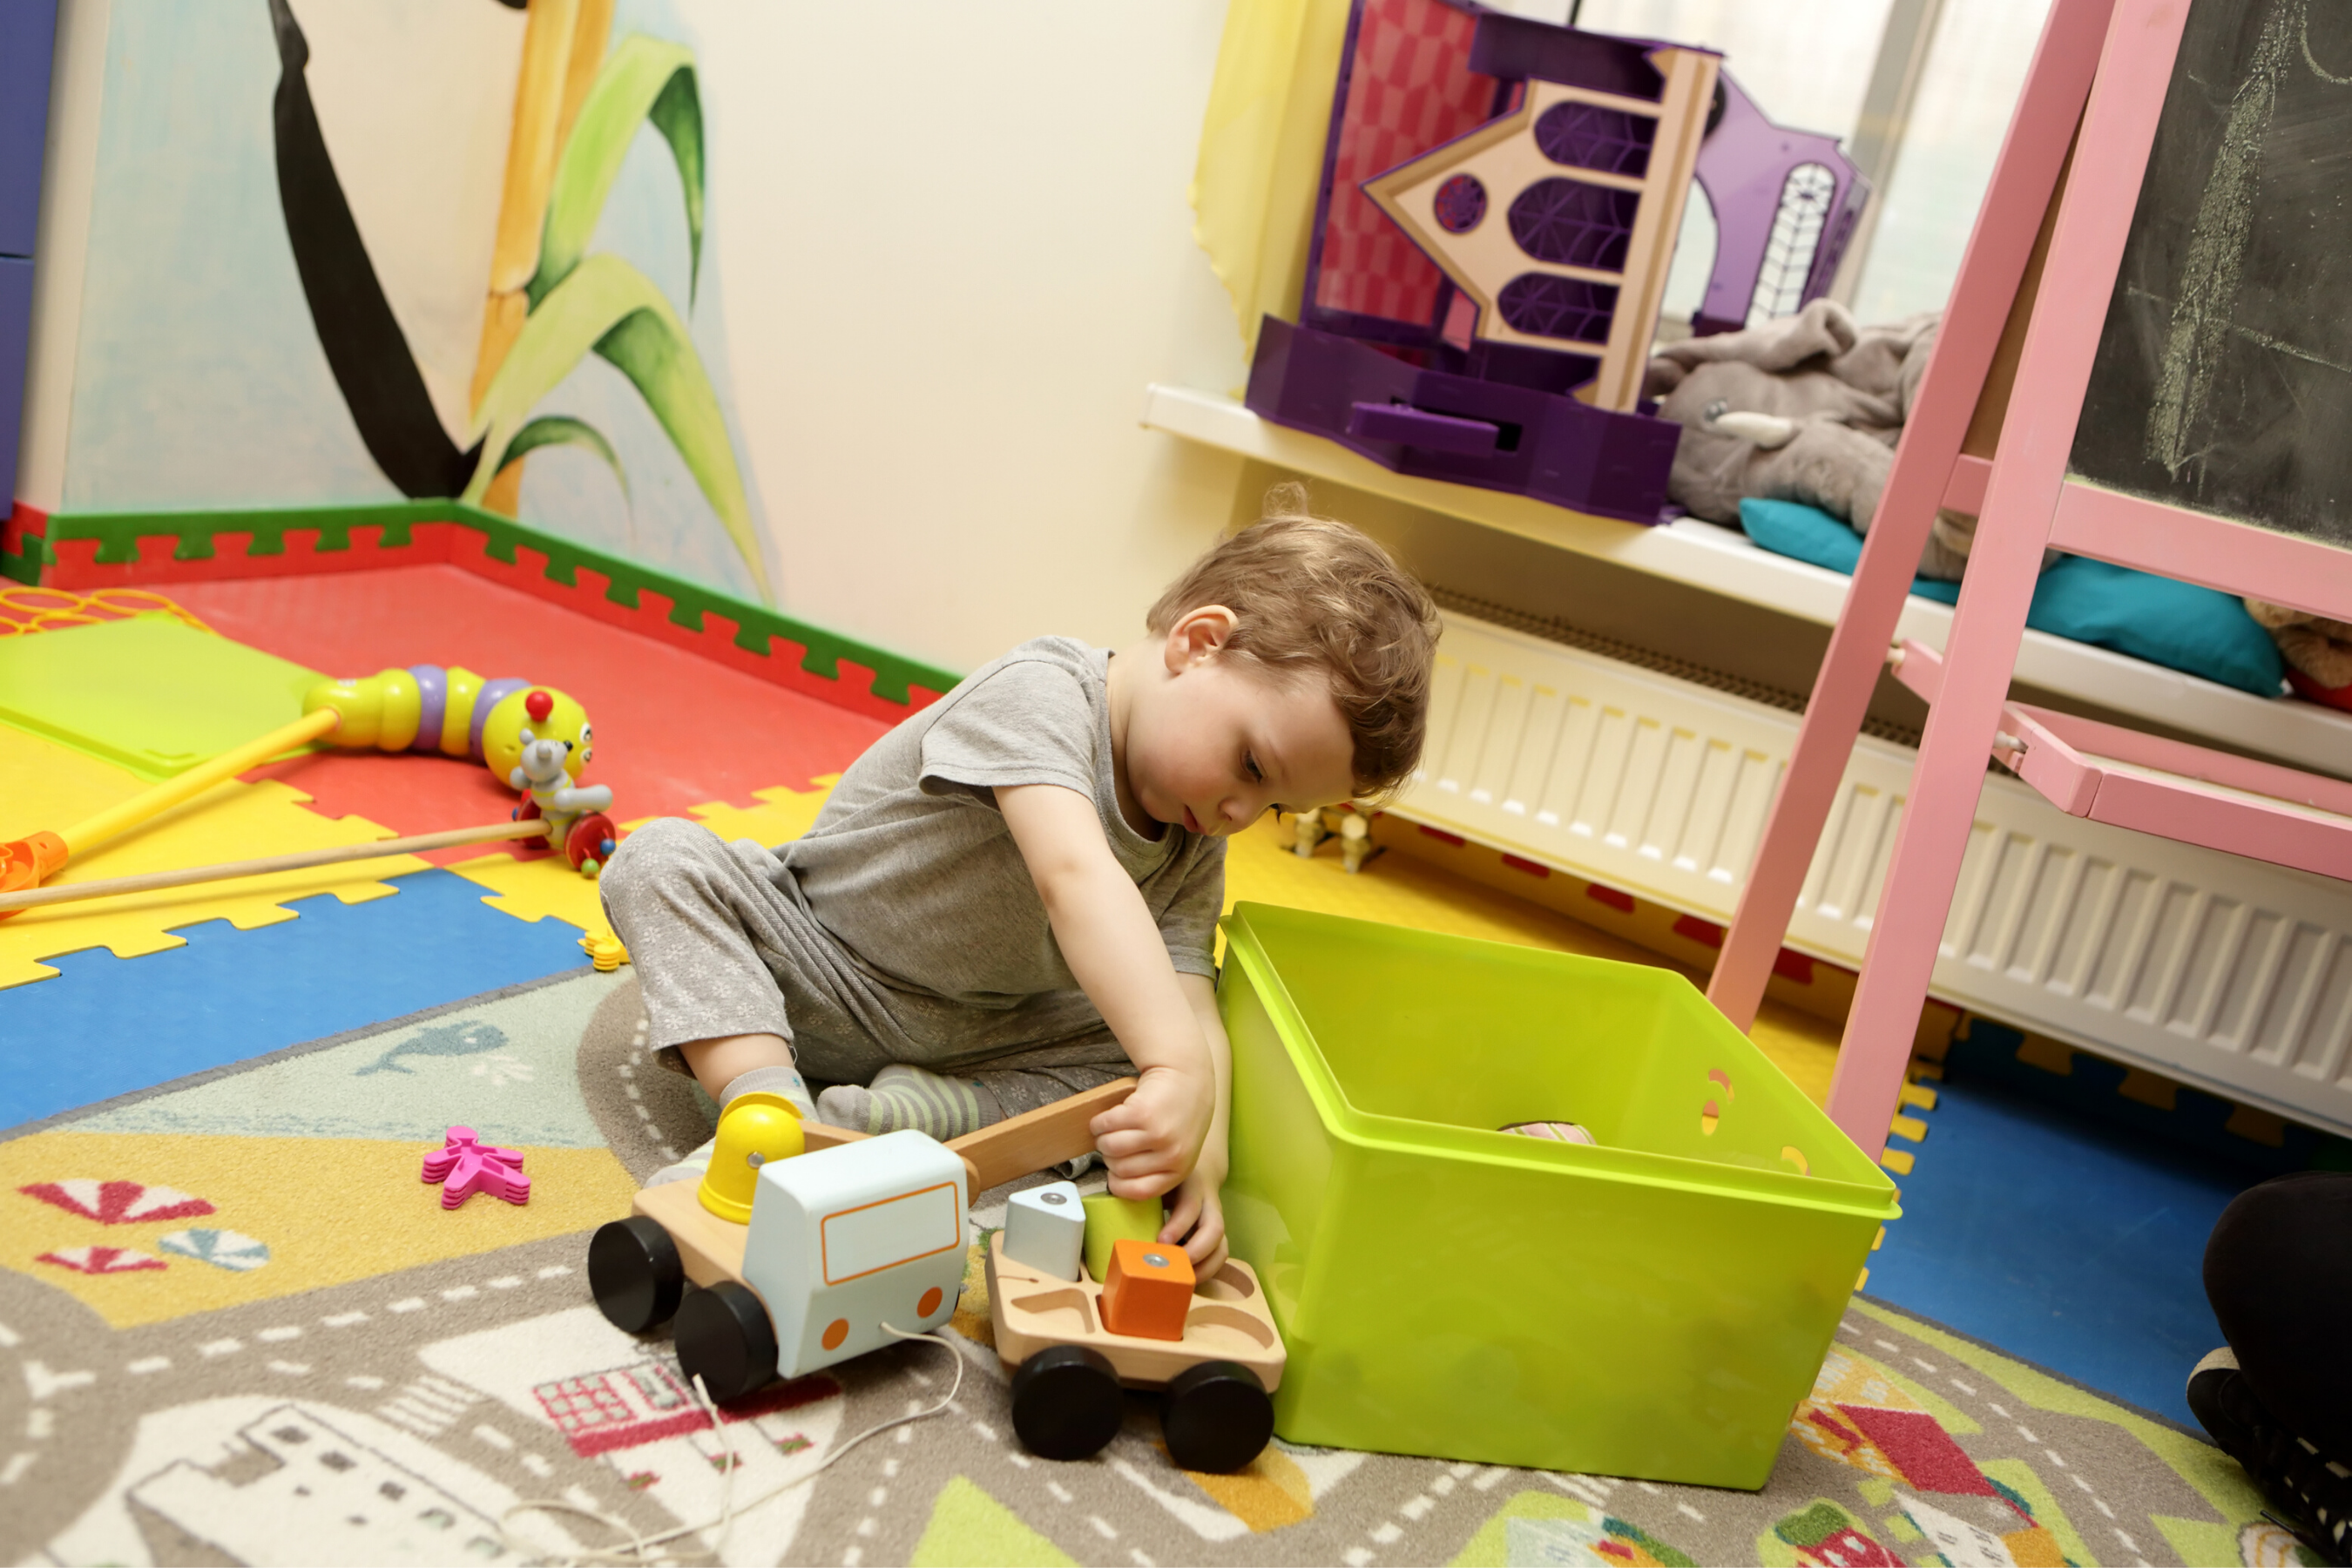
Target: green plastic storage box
(1651,1306)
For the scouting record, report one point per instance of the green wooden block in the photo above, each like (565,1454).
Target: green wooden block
(1111,1220)
(150,693)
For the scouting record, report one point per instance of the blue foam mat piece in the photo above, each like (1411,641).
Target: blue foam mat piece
(2063,1240)
(106,1025)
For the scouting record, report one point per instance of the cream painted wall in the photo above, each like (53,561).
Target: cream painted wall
(954,245)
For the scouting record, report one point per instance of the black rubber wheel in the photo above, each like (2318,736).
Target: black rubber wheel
(1067,1403)
(724,1338)
(635,1274)
(1217,1419)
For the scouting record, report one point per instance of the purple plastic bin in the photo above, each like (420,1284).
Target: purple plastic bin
(1410,427)
(1543,444)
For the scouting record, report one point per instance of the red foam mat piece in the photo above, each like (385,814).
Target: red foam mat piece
(673,729)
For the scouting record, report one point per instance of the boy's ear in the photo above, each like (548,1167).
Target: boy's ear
(1199,634)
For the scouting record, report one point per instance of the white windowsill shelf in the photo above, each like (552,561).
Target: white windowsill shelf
(1724,561)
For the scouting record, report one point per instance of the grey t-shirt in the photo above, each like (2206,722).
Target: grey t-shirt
(911,867)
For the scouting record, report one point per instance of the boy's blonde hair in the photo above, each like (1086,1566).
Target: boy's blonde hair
(1313,593)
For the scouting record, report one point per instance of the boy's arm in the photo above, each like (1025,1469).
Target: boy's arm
(1197,1217)
(1112,946)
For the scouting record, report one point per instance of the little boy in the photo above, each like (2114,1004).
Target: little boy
(1012,896)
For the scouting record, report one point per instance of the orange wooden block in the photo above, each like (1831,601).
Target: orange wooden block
(1147,1292)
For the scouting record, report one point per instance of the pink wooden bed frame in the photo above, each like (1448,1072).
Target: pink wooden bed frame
(2027,310)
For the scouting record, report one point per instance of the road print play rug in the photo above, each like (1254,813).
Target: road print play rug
(237,1327)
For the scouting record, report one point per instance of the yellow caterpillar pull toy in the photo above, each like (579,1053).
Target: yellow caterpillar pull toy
(534,737)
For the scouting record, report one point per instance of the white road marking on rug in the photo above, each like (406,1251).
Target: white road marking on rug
(537,1466)
(344,1319)
(1963,1387)
(1388,1534)
(408,1304)
(1102,1527)
(1417,1507)
(14,1471)
(853,1557)
(2100,1503)
(43,1383)
(1443,1486)
(292,1368)
(367,1384)
(8,1338)
(1211,1523)
(1135,1555)
(2027,1436)
(1996,1409)
(1583,1489)
(2076,1476)
(1929,1367)
(506,1282)
(1488,1476)
(1356,1557)
(2054,1459)
(554,1271)
(1687,1508)
(1059,1495)
(494,1438)
(462,1293)
(2129,1545)
(277,1336)
(220,1348)
(41,1424)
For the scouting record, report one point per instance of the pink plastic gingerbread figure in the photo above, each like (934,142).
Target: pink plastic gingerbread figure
(467,1166)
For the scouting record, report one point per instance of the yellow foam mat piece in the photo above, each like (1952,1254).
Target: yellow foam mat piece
(536,888)
(330,1210)
(46,786)
(1406,890)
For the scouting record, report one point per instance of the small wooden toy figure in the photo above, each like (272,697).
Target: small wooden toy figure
(545,769)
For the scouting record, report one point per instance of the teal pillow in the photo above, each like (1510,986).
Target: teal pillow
(2180,626)
(1808,534)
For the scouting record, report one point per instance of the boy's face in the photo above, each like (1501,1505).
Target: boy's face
(1212,747)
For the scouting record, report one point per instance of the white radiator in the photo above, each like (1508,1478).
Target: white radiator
(2228,973)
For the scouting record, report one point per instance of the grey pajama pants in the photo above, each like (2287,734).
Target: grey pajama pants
(724,944)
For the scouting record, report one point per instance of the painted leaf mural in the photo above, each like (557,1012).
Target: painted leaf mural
(608,306)
(647,81)
(550,304)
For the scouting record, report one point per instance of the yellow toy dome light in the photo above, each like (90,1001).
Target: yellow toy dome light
(754,1129)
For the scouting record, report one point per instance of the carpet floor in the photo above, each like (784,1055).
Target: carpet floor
(243,1330)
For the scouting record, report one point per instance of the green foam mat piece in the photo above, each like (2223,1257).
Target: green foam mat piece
(150,693)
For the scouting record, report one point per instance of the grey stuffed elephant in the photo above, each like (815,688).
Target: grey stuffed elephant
(1804,408)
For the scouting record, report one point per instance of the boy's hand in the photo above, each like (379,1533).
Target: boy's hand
(1197,1219)
(1150,1140)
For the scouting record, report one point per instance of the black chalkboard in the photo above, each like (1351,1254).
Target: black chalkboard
(2223,381)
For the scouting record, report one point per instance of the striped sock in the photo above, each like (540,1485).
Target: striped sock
(903,1097)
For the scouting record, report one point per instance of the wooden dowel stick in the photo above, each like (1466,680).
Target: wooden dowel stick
(302,861)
